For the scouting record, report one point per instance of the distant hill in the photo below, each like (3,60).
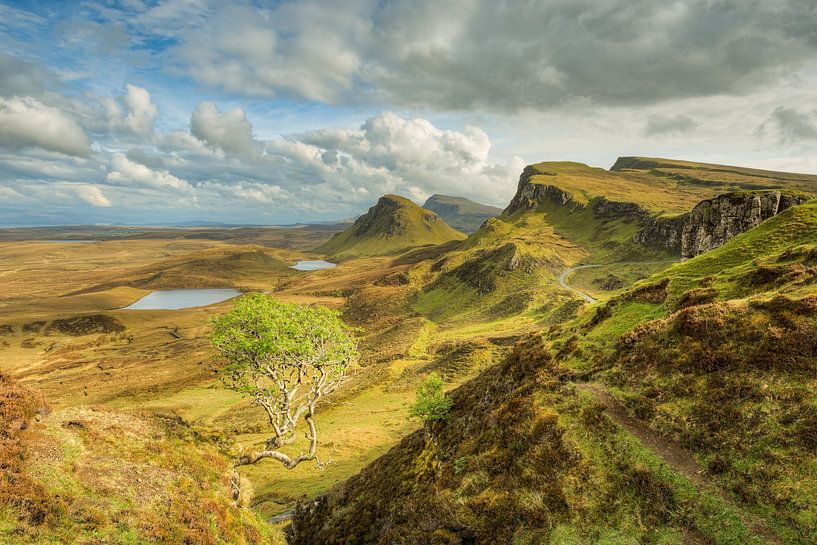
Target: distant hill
(393,224)
(460,213)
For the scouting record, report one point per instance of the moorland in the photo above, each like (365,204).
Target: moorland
(662,392)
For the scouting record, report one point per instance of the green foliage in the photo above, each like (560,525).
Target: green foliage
(431,404)
(460,465)
(286,358)
(261,334)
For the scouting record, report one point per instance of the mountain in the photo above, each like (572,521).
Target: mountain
(684,401)
(634,221)
(392,225)
(462,214)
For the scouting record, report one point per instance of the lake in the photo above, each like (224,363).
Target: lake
(64,241)
(178,299)
(312,265)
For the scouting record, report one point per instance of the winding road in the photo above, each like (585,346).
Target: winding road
(580,293)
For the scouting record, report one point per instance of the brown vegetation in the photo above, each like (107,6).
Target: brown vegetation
(18,405)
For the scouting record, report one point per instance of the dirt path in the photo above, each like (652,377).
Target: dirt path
(586,296)
(678,458)
(563,282)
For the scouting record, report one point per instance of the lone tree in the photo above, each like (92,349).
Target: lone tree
(285,357)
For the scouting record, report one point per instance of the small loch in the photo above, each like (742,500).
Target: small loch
(179,299)
(312,265)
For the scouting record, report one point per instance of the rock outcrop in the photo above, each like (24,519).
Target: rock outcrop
(604,209)
(714,221)
(530,196)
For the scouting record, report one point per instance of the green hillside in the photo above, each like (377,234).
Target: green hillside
(462,214)
(681,409)
(393,225)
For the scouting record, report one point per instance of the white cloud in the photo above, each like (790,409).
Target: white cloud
(229,131)
(125,172)
(141,111)
(310,49)
(10,195)
(390,153)
(27,122)
(92,195)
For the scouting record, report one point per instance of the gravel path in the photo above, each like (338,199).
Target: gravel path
(562,282)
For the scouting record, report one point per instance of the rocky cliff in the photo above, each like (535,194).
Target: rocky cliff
(715,221)
(710,224)
(529,196)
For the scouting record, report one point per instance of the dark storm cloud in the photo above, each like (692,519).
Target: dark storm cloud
(793,125)
(490,55)
(659,124)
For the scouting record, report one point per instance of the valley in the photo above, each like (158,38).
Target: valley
(629,353)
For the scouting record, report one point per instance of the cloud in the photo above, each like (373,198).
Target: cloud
(392,154)
(92,195)
(481,54)
(139,112)
(660,124)
(27,122)
(229,131)
(126,172)
(309,49)
(20,77)
(792,125)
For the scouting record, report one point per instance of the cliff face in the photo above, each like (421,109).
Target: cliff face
(530,195)
(604,209)
(715,221)
(709,225)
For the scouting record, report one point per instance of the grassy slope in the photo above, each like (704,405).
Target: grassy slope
(748,420)
(96,476)
(585,183)
(508,267)
(731,374)
(394,224)
(524,458)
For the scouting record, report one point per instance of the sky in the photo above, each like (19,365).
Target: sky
(280,112)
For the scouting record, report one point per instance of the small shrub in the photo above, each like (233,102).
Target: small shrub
(431,404)
(460,464)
